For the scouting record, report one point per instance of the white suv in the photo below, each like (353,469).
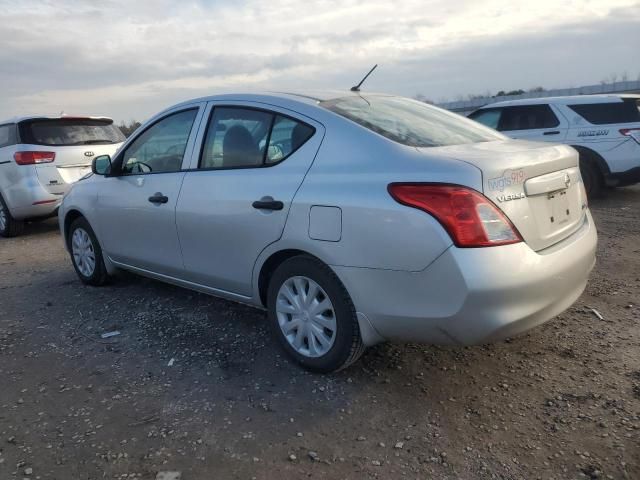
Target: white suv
(604,129)
(40,157)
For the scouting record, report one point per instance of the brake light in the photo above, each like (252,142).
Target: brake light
(32,158)
(470,218)
(631,132)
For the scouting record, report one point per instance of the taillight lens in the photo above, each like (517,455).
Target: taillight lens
(631,132)
(31,158)
(470,218)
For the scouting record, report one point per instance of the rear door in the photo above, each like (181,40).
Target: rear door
(75,141)
(532,122)
(136,208)
(236,197)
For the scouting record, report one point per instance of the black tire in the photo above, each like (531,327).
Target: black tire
(10,227)
(347,346)
(591,176)
(99,276)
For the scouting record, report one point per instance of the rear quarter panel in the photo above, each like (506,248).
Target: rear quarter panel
(352,171)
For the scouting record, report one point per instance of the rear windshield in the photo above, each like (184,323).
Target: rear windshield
(65,132)
(626,111)
(410,122)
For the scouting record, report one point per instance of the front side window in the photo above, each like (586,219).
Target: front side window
(244,138)
(160,148)
(70,131)
(527,117)
(488,117)
(410,122)
(626,111)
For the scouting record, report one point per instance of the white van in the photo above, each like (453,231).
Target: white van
(40,157)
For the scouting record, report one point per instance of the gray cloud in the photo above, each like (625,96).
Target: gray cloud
(130,59)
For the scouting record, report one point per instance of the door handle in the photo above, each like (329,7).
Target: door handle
(158,198)
(552,132)
(268,205)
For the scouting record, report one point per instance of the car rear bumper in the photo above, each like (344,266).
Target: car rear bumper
(474,295)
(30,200)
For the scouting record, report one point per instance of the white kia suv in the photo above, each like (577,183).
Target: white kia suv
(40,157)
(604,129)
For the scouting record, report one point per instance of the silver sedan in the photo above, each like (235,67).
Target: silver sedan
(351,218)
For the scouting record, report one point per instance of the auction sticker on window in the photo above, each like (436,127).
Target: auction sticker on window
(508,179)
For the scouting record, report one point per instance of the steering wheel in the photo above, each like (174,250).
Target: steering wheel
(141,166)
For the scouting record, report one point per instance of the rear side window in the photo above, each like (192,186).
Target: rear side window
(527,117)
(607,113)
(243,138)
(70,131)
(7,135)
(489,117)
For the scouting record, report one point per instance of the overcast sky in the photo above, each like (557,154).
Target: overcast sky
(129,59)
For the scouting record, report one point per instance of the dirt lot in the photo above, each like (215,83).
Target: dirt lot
(560,402)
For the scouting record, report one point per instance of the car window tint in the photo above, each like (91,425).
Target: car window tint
(409,122)
(608,113)
(7,135)
(527,117)
(236,137)
(70,131)
(488,117)
(161,147)
(286,137)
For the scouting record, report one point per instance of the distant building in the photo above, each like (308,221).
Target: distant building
(464,107)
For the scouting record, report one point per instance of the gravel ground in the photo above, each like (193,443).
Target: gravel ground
(560,402)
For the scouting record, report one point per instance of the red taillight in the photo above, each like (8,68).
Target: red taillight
(31,158)
(631,132)
(469,217)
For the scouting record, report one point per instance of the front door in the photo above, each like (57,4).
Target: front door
(137,205)
(235,199)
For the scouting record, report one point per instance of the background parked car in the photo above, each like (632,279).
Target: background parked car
(352,218)
(605,129)
(40,157)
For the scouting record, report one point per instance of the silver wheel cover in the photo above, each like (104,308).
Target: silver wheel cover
(306,316)
(84,256)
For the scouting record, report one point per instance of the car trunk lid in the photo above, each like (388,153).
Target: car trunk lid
(536,185)
(70,165)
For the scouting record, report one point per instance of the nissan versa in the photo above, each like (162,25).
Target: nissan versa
(352,218)
(40,157)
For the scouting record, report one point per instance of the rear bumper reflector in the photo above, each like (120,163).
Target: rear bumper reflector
(42,202)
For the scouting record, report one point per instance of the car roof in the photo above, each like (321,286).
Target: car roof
(54,117)
(569,100)
(308,97)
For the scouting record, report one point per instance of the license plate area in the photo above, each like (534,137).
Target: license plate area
(559,207)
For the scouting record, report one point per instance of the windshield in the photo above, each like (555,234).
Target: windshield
(410,122)
(67,131)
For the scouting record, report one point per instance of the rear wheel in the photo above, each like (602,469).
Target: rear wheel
(86,254)
(9,226)
(591,176)
(313,316)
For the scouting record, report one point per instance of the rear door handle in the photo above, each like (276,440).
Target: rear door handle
(552,132)
(268,205)
(158,198)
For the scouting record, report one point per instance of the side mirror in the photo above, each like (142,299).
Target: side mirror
(101,165)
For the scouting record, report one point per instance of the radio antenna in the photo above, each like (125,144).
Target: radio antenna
(356,88)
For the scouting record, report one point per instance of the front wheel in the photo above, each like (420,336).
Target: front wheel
(86,254)
(313,316)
